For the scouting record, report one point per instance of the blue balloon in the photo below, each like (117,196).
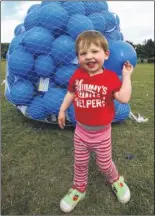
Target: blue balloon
(98,21)
(46,2)
(63,75)
(122,111)
(110,21)
(53,16)
(77,24)
(53,99)
(117,20)
(21,92)
(44,66)
(93,7)
(71,114)
(63,49)
(36,109)
(58,32)
(74,7)
(32,76)
(52,84)
(33,8)
(31,20)
(38,40)
(7,94)
(16,43)
(113,36)
(120,52)
(122,37)
(19,29)
(20,62)
(44,46)
(10,79)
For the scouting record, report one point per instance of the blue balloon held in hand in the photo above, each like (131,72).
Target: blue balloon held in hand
(120,52)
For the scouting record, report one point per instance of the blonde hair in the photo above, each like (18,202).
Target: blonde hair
(91,37)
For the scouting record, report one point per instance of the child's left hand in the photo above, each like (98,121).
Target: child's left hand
(127,68)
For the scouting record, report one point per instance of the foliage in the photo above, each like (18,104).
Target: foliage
(4,49)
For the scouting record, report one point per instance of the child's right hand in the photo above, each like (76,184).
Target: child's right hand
(61,119)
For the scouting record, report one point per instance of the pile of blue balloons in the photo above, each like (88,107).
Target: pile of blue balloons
(42,58)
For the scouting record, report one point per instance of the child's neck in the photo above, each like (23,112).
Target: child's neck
(95,73)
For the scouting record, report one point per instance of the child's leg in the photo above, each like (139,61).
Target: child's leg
(106,165)
(104,157)
(81,161)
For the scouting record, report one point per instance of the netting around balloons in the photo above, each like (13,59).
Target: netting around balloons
(42,58)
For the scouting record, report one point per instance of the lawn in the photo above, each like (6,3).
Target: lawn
(37,160)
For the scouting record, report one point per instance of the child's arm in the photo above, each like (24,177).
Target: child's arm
(68,99)
(124,94)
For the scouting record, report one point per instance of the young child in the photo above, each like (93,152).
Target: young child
(93,90)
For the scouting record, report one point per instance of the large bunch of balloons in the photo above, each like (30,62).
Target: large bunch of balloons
(42,58)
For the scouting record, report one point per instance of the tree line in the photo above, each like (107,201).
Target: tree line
(144,51)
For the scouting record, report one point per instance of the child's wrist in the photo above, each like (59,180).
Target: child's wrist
(124,75)
(62,110)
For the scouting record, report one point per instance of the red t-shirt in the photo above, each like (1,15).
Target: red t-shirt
(94,102)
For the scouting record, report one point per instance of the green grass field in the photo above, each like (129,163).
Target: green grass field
(37,160)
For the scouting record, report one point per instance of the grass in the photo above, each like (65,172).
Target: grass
(37,160)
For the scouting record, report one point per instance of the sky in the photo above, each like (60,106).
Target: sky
(136,18)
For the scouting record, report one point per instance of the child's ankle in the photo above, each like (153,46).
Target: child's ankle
(81,189)
(113,181)
(116,179)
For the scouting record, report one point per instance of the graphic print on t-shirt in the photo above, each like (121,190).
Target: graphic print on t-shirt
(90,95)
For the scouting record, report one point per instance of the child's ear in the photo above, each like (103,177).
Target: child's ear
(107,53)
(78,59)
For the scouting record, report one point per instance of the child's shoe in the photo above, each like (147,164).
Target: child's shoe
(121,190)
(69,201)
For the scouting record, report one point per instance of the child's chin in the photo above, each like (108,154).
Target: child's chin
(93,69)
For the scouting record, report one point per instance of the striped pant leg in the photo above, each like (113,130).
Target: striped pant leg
(81,162)
(104,158)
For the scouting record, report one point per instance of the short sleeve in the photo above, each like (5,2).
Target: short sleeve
(71,83)
(117,82)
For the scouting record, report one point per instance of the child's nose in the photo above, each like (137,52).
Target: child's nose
(88,55)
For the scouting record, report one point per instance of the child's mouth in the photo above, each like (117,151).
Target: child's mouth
(91,64)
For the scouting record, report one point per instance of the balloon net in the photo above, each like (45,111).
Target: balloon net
(41,57)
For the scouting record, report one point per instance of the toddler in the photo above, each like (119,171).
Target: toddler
(93,89)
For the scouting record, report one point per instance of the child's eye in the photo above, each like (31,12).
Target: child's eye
(94,51)
(84,53)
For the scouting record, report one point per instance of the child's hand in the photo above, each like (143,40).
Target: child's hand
(127,69)
(61,119)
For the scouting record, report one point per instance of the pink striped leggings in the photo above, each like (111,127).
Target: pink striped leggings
(86,141)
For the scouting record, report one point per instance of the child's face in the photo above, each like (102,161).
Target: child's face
(92,58)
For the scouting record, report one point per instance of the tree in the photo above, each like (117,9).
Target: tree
(149,48)
(131,43)
(145,50)
(140,51)
(4,49)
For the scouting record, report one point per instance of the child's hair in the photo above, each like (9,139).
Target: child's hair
(89,37)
